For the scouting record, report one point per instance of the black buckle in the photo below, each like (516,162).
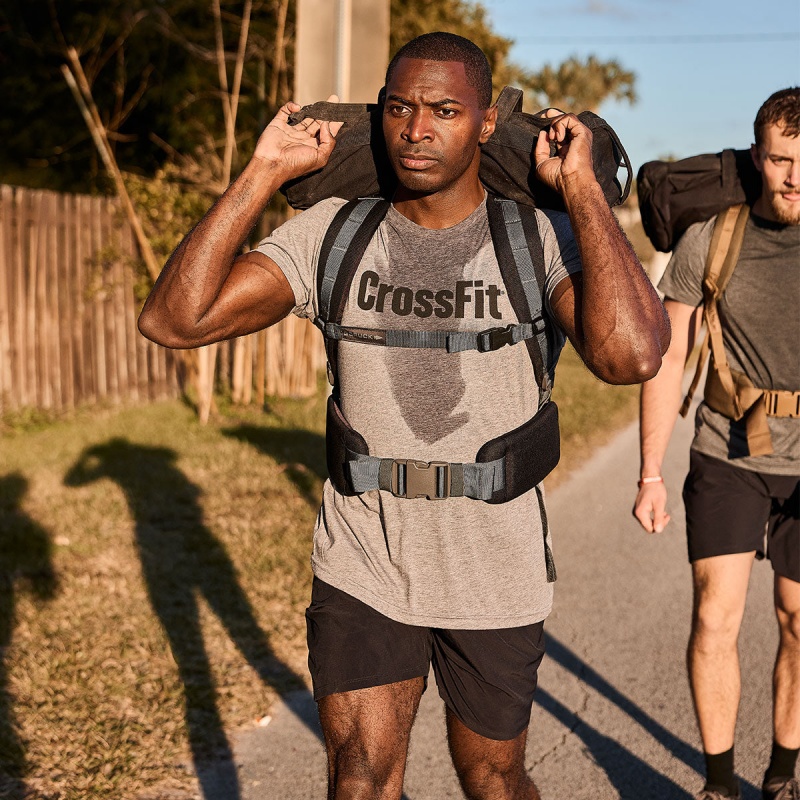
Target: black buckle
(420,479)
(495,338)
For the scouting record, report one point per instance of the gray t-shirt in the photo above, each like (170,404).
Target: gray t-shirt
(455,563)
(760,314)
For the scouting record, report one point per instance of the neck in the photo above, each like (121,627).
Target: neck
(439,210)
(763,208)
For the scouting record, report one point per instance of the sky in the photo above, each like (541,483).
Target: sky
(703,67)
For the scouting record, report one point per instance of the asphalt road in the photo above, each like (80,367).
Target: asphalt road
(613,715)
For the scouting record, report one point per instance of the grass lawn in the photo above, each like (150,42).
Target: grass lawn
(153,579)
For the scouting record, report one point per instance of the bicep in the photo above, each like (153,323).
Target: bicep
(685,321)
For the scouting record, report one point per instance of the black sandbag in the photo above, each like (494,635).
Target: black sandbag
(359,166)
(675,194)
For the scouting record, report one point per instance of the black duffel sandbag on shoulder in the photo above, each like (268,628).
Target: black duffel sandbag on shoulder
(359,167)
(675,194)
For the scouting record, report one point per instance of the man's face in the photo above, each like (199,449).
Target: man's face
(778,161)
(433,123)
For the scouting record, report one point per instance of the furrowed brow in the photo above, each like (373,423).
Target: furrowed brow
(396,98)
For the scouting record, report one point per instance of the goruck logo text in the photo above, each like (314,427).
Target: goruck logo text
(468,298)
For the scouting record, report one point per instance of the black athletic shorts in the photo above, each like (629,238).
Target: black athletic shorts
(486,677)
(735,510)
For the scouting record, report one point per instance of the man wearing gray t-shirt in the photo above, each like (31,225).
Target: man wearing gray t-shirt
(739,504)
(403,584)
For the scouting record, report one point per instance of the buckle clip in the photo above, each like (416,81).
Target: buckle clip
(420,478)
(495,338)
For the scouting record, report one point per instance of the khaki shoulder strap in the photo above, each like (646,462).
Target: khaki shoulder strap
(723,253)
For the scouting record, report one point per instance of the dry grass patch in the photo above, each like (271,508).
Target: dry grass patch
(590,412)
(154,578)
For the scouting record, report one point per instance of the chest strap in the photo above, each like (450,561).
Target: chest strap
(485,341)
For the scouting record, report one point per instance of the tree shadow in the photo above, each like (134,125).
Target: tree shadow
(300,452)
(632,777)
(25,565)
(183,561)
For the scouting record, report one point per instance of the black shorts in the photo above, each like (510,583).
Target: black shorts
(487,678)
(735,510)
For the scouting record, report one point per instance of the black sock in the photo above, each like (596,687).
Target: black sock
(781,762)
(719,771)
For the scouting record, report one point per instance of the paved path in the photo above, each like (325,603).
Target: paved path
(613,715)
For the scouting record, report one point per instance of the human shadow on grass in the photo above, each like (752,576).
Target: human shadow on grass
(632,777)
(300,452)
(25,566)
(182,562)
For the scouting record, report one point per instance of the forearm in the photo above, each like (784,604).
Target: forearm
(622,329)
(195,274)
(659,404)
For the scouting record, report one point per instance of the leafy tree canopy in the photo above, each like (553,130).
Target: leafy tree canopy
(153,73)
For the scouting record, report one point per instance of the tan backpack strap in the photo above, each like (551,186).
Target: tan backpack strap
(687,401)
(723,253)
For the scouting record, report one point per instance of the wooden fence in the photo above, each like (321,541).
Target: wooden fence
(68,308)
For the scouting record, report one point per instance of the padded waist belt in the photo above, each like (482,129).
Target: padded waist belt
(434,480)
(504,467)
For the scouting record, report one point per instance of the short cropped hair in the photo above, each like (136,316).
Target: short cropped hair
(781,108)
(440,46)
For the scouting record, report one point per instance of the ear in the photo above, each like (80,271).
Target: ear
(755,154)
(489,124)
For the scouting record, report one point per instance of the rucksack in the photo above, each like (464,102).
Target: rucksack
(728,391)
(675,194)
(359,167)
(505,467)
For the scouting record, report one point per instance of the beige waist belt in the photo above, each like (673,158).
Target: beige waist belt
(754,404)
(780,403)
(766,403)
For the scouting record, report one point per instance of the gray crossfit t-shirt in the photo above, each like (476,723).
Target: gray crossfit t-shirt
(459,562)
(760,313)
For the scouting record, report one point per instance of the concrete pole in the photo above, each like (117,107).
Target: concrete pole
(344,38)
(342,48)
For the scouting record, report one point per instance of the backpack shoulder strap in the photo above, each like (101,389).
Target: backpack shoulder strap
(343,247)
(723,254)
(520,255)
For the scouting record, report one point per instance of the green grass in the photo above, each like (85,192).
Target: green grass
(153,578)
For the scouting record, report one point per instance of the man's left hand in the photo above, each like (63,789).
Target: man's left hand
(573,157)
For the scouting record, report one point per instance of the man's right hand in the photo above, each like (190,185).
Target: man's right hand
(650,507)
(295,150)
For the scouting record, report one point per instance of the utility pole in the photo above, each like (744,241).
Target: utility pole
(342,48)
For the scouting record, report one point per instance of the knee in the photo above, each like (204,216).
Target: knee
(506,780)
(715,626)
(789,622)
(358,771)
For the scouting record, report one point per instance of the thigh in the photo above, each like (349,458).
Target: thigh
(488,767)
(783,533)
(351,646)
(727,509)
(487,678)
(787,602)
(367,731)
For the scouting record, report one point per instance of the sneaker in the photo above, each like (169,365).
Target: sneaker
(781,789)
(718,793)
